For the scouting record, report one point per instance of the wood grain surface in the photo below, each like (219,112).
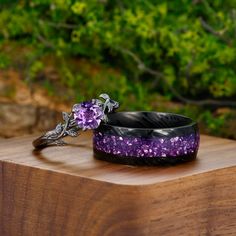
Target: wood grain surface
(65,191)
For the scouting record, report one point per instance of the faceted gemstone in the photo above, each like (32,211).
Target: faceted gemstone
(88,115)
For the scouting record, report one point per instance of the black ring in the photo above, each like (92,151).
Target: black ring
(146,138)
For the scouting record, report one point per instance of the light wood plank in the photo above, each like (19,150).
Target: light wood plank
(65,191)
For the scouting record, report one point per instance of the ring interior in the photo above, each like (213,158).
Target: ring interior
(150,120)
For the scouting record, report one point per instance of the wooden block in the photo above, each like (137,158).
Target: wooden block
(64,191)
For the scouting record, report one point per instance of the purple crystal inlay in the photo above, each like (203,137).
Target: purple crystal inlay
(143,147)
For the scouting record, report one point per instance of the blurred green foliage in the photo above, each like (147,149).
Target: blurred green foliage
(143,48)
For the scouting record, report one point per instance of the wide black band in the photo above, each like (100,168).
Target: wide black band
(146,138)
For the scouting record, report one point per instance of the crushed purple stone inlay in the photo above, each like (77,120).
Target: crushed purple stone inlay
(141,147)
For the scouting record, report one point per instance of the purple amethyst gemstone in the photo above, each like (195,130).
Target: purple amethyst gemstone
(88,115)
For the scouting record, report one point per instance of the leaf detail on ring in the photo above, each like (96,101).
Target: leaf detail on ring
(65,116)
(59,128)
(72,132)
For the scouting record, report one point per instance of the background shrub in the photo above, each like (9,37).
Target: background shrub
(144,52)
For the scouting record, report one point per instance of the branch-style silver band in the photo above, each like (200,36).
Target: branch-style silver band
(70,127)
